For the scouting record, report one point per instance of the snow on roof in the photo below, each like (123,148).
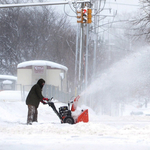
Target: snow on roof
(9,77)
(41,63)
(7,82)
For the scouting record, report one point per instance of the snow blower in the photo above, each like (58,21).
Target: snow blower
(65,113)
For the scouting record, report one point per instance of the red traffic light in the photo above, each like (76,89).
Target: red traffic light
(84,10)
(84,15)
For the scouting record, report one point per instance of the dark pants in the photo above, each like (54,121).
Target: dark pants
(32,114)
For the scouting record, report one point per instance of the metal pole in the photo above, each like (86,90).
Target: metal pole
(95,40)
(80,56)
(39,4)
(76,59)
(87,43)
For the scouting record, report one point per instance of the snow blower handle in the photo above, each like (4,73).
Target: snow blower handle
(49,100)
(46,100)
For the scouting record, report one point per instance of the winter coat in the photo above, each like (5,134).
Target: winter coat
(35,95)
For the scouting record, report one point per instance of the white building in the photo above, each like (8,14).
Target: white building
(7,82)
(29,72)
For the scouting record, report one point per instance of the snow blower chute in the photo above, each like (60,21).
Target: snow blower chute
(65,113)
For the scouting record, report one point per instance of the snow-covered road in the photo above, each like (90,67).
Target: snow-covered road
(101,133)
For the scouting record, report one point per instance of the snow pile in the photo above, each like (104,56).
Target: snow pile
(105,132)
(10,95)
(8,77)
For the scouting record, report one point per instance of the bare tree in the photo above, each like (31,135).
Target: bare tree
(34,33)
(142,21)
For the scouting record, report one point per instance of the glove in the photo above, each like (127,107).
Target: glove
(43,102)
(45,99)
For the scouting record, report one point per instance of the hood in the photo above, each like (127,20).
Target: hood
(40,82)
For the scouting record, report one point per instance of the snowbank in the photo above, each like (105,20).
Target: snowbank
(9,77)
(102,132)
(11,95)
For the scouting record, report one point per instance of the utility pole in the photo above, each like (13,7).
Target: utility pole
(76,58)
(84,17)
(95,38)
(89,17)
(81,50)
(87,49)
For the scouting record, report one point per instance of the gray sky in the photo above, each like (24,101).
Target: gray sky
(123,5)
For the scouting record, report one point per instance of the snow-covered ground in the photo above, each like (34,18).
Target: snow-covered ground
(124,81)
(100,133)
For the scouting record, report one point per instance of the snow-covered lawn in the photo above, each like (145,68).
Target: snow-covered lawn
(101,133)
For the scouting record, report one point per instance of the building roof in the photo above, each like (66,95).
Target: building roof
(8,77)
(41,63)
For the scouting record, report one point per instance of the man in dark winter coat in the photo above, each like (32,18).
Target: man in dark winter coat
(33,99)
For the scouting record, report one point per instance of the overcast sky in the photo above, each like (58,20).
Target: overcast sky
(123,5)
(120,5)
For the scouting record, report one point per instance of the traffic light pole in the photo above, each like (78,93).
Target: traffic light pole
(76,59)
(81,52)
(84,17)
(95,40)
(87,49)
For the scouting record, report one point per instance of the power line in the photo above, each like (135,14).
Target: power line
(123,4)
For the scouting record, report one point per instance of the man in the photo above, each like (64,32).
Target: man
(33,99)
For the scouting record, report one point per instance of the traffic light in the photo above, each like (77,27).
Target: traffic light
(89,18)
(79,15)
(84,15)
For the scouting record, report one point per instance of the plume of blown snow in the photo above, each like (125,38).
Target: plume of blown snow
(125,80)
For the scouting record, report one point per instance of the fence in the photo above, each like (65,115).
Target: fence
(49,91)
